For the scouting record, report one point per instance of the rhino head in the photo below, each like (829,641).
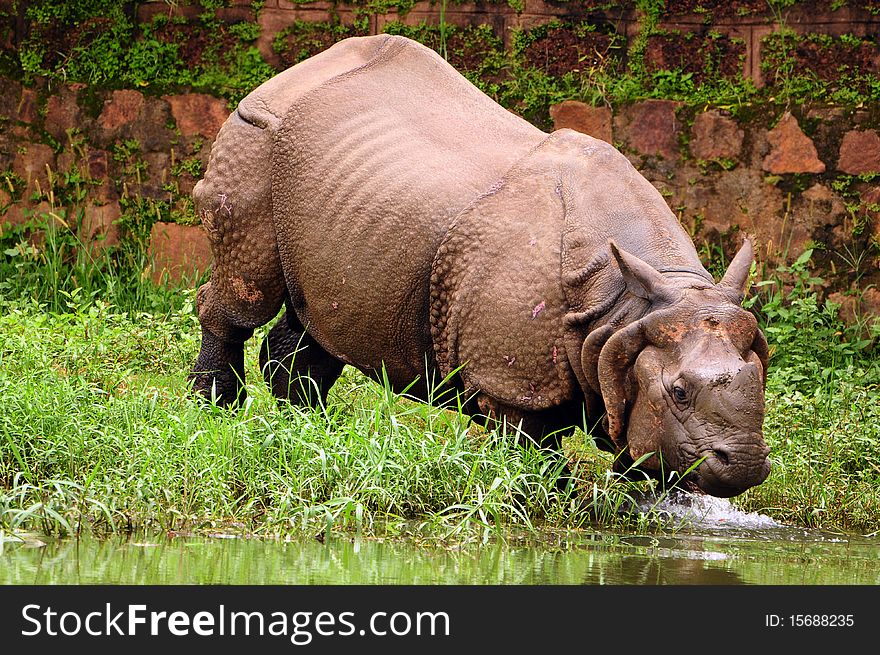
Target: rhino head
(684,386)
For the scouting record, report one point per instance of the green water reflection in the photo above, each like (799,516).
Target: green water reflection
(786,557)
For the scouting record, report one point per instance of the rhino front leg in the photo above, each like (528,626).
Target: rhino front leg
(546,427)
(294,366)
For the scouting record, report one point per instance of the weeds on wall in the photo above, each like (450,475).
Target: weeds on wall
(806,333)
(99,42)
(49,262)
(303,39)
(51,256)
(820,68)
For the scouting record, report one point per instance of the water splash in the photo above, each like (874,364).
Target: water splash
(700,511)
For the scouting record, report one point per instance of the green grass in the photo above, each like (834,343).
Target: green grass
(823,397)
(97,428)
(98,431)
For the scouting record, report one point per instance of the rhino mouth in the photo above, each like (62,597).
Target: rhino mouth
(716,473)
(716,476)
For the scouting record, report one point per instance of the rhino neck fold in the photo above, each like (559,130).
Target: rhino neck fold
(605,308)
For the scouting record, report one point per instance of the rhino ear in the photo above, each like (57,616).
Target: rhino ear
(733,284)
(616,360)
(762,350)
(642,279)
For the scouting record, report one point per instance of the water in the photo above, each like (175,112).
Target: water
(708,512)
(709,542)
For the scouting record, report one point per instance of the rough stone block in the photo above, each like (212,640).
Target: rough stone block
(870,202)
(198,114)
(156,174)
(151,130)
(97,166)
(62,114)
(737,198)
(67,160)
(98,163)
(27,106)
(650,128)
(20,213)
(854,309)
(10,96)
(714,136)
(31,163)
(791,151)
(595,121)
(121,108)
(178,252)
(859,152)
(98,226)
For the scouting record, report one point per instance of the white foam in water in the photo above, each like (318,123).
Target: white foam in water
(708,512)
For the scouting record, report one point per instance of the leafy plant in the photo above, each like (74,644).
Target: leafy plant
(809,343)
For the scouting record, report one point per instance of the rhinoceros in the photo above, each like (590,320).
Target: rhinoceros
(413,228)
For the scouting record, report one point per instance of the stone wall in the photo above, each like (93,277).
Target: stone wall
(794,180)
(88,157)
(748,21)
(110,162)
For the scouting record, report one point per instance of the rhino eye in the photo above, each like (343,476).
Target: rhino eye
(679,393)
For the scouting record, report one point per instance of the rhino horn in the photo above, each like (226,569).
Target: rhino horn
(733,283)
(641,279)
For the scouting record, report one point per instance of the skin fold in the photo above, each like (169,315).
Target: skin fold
(413,228)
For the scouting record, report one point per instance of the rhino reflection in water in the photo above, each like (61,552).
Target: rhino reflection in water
(407,221)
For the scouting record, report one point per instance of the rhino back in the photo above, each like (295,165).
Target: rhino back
(369,169)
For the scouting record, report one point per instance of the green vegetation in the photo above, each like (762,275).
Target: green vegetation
(476,52)
(303,39)
(101,42)
(98,42)
(98,433)
(824,397)
(559,61)
(818,67)
(50,255)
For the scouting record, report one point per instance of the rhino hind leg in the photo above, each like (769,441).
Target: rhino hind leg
(247,286)
(242,295)
(295,367)
(218,374)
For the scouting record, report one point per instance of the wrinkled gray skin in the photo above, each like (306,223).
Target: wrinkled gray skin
(406,220)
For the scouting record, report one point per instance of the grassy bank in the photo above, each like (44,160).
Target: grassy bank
(97,431)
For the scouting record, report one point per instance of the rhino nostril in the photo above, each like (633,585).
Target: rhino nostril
(722,455)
